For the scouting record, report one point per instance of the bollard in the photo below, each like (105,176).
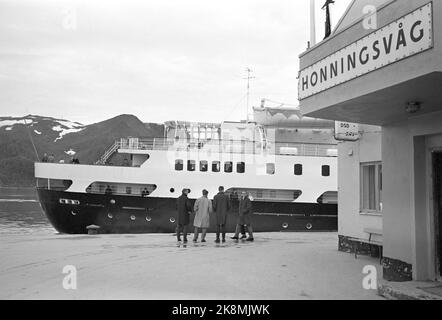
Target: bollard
(92,229)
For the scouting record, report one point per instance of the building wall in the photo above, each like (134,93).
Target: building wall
(383,97)
(351,221)
(407,192)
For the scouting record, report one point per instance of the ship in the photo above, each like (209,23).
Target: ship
(286,163)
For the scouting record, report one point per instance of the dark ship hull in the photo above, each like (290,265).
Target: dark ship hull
(72,212)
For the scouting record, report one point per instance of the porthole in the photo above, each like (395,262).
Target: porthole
(148,219)
(285,225)
(172,220)
(172,190)
(112,201)
(73,213)
(309,226)
(132,217)
(110,216)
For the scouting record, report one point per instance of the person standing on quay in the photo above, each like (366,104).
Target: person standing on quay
(202,208)
(244,219)
(221,206)
(184,208)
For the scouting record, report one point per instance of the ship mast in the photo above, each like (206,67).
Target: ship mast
(248,78)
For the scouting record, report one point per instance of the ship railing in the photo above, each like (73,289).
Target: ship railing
(230,146)
(108,153)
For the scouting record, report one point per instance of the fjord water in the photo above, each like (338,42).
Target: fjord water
(20,212)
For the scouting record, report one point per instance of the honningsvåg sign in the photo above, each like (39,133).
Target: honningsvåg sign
(407,36)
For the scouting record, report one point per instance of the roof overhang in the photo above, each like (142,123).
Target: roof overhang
(357,77)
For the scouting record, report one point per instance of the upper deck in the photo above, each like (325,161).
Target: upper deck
(140,146)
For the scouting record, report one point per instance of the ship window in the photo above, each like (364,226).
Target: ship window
(270,168)
(326,171)
(179,165)
(298,169)
(241,167)
(204,166)
(191,165)
(259,193)
(100,187)
(216,165)
(296,194)
(53,184)
(195,134)
(228,167)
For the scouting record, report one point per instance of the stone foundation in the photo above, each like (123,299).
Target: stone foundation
(348,244)
(396,270)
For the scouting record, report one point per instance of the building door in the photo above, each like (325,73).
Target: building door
(437,170)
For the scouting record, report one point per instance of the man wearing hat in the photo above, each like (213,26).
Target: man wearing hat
(203,209)
(244,218)
(184,208)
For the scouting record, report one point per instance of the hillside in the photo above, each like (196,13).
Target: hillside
(58,137)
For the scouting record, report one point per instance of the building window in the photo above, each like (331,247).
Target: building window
(204,166)
(216,166)
(228,167)
(270,168)
(371,187)
(179,165)
(298,169)
(240,167)
(326,171)
(191,165)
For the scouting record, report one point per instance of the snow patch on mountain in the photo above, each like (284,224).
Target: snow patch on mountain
(65,127)
(10,123)
(70,152)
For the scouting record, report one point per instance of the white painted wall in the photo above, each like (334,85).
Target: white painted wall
(351,222)
(409,230)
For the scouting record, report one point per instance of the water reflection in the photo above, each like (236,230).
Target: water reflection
(20,212)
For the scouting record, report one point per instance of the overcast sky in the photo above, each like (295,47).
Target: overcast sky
(160,60)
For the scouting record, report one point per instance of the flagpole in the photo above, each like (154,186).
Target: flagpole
(312,23)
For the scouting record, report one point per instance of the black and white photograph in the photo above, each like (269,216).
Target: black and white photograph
(219,156)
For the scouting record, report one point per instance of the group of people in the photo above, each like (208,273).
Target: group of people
(51,159)
(48,158)
(204,208)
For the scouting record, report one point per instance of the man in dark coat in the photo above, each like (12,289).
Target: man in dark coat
(244,218)
(45,158)
(221,206)
(184,208)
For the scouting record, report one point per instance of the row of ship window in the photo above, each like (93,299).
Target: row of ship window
(240,167)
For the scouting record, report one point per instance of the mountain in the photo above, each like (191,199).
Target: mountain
(60,137)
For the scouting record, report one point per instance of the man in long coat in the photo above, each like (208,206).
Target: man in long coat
(202,208)
(244,218)
(184,208)
(221,206)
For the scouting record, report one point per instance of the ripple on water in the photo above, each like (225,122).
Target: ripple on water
(20,213)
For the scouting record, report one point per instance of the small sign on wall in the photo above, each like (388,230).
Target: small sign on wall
(346,131)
